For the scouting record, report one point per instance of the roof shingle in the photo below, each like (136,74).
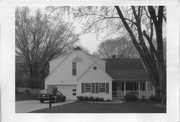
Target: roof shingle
(126,69)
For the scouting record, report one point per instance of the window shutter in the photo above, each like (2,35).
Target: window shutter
(107,87)
(93,87)
(97,87)
(82,87)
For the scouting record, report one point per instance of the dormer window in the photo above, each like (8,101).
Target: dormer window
(74,67)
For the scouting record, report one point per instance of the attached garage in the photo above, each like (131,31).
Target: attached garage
(69,91)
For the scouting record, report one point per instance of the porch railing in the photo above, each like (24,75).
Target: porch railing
(138,93)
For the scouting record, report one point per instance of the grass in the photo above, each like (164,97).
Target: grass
(127,107)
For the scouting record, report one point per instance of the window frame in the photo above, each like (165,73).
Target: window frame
(74,68)
(89,89)
(102,87)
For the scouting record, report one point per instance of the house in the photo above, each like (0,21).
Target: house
(81,74)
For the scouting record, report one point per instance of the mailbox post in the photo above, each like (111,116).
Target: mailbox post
(50,92)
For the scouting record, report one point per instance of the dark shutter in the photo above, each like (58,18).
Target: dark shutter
(93,87)
(107,87)
(97,88)
(82,87)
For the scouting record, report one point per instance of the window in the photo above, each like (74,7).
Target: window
(95,87)
(74,66)
(122,86)
(74,90)
(132,86)
(101,87)
(142,86)
(88,87)
(95,67)
(74,94)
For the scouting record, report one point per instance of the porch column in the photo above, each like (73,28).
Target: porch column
(139,91)
(124,88)
(146,89)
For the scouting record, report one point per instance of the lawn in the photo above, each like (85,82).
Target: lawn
(127,107)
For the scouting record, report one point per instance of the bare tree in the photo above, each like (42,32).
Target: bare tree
(39,40)
(152,57)
(121,47)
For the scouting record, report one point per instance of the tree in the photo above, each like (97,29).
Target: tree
(153,58)
(39,40)
(145,27)
(121,47)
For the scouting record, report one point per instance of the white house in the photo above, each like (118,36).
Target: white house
(81,74)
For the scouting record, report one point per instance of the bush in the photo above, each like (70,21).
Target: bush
(101,99)
(97,99)
(153,98)
(91,98)
(80,98)
(85,98)
(108,100)
(131,96)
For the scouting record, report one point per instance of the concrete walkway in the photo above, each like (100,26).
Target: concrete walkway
(32,105)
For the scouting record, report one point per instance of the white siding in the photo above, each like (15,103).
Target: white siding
(64,71)
(96,76)
(54,63)
(101,63)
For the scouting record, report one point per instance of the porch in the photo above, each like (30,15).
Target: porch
(141,89)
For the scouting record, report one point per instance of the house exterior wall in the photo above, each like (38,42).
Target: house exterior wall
(54,63)
(95,76)
(99,62)
(61,74)
(64,71)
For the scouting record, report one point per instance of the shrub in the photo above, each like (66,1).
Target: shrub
(91,98)
(108,100)
(86,98)
(153,98)
(96,99)
(27,91)
(101,99)
(80,98)
(131,96)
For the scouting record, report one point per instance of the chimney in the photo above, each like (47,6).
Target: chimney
(113,56)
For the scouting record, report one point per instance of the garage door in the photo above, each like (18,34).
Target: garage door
(69,91)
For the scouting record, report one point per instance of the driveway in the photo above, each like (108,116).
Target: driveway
(32,105)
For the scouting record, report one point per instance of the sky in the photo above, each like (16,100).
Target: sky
(88,41)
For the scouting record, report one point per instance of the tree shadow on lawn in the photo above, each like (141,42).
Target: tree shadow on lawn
(127,107)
